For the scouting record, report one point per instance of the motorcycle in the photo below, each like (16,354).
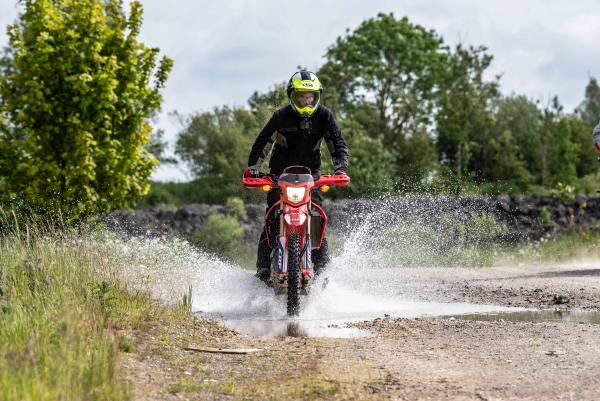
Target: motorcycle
(301,228)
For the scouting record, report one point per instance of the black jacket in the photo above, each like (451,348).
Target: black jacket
(298,141)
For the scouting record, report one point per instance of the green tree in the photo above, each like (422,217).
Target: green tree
(589,109)
(273,99)
(586,157)
(464,120)
(216,144)
(506,164)
(523,119)
(371,163)
(390,64)
(78,92)
(563,151)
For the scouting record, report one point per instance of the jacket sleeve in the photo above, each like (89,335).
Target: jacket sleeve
(263,143)
(335,142)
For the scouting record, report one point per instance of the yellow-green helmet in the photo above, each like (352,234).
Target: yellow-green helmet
(304,91)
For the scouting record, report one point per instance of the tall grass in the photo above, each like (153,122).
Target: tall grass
(61,304)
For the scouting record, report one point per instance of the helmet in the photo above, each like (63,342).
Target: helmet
(304,91)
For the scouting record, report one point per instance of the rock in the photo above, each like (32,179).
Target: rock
(520,215)
(560,299)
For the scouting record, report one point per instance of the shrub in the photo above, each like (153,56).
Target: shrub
(219,235)
(236,208)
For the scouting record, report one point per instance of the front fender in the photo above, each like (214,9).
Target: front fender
(295,216)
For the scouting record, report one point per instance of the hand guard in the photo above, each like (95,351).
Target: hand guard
(253,172)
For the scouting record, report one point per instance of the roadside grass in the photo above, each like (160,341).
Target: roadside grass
(560,247)
(63,307)
(422,248)
(578,244)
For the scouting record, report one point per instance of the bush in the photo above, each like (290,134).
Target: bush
(236,208)
(220,235)
(483,227)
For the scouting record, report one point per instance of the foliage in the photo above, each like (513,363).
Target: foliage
(220,235)
(589,109)
(391,63)
(545,219)
(522,118)
(563,191)
(418,116)
(483,228)
(272,99)
(235,208)
(77,89)
(216,144)
(372,165)
(58,305)
(465,118)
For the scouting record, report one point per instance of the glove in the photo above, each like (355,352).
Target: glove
(340,171)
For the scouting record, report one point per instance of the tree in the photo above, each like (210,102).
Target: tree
(589,109)
(523,119)
(372,164)
(563,152)
(505,162)
(272,99)
(464,120)
(580,135)
(390,64)
(216,144)
(78,93)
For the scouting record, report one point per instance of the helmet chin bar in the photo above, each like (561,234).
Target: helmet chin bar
(298,99)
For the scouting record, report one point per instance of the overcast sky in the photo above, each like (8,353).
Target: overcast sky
(224,50)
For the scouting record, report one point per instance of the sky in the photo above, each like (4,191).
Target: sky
(225,50)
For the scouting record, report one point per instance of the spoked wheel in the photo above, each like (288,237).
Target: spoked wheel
(294,275)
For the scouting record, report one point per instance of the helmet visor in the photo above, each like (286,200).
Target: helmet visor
(303,99)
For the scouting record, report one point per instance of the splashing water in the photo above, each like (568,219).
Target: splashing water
(364,281)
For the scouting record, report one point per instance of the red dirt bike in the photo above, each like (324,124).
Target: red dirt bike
(302,226)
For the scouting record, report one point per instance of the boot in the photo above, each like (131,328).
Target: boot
(321,258)
(263,260)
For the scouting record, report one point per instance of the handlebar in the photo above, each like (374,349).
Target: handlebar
(338,180)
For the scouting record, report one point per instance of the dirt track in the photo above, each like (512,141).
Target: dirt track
(406,359)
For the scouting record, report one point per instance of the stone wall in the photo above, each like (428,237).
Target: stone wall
(523,216)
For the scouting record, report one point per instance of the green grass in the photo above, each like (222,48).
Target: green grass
(62,306)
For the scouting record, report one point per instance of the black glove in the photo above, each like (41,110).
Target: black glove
(340,171)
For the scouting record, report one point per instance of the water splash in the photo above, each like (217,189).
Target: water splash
(365,277)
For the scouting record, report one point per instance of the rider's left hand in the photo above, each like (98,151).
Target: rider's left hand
(340,171)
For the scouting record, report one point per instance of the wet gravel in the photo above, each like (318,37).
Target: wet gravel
(405,359)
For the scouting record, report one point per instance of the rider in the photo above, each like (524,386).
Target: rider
(297,131)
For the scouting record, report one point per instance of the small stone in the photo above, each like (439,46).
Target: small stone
(560,299)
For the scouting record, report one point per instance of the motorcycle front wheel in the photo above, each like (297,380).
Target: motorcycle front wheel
(294,275)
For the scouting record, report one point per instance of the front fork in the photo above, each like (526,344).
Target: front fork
(282,251)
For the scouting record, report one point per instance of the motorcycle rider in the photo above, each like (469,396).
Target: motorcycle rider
(297,131)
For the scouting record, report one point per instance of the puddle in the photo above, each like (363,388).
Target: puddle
(539,316)
(331,322)
(294,328)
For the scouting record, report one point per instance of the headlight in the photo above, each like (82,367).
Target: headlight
(295,195)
